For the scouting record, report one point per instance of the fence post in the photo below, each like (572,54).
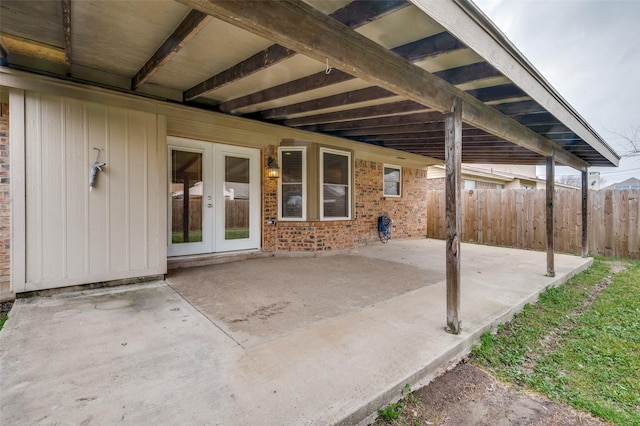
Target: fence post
(585,212)
(550,222)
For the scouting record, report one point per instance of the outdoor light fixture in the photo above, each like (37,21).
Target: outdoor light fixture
(273,171)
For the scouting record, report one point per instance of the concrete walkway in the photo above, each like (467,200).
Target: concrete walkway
(146,354)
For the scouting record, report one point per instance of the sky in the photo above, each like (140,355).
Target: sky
(589,50)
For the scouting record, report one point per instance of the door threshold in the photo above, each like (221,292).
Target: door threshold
(194,260)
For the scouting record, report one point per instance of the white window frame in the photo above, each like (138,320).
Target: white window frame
(349,185)
(399,169)
(302,149)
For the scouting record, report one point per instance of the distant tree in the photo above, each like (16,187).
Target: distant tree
(573,180)
(631,143)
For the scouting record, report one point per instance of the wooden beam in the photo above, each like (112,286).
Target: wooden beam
(31,48)
(390,120)
(453,162)
(353,97)
(497,93)
(392,130)
(190,26)
(356,113)
(353,15)
(468,73)
(550,189)
(66,27)
(300,85)
(536,119)
(470,134)
(4,59)
(425,48)
(457,75)
(363,58)
(356,96)
(261,60)
(585,213)
(519,108)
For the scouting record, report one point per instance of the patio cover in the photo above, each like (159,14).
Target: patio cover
(378,72)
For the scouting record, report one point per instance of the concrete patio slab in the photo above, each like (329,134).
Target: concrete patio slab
(146,354)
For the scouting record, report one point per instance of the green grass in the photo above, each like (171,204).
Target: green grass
(177,237)
(5,307)
(592,362)
(196,236)
(236,233)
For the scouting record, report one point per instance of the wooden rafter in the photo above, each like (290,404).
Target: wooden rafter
(353,97)
(350,114)
(363,58)
(497,93)
(458,75)
(370,94)
(190,26)
(418,138)
(4,60)
(536,119)
(304,84)
(263,59)
(519,108)
(428,47)
(389,130)
(66,27)
(548,129)
(392,120)
(353,15)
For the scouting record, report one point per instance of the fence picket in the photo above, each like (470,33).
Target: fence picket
(516,218)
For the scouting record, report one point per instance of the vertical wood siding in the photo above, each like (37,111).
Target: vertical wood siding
(516,218)
(117,230)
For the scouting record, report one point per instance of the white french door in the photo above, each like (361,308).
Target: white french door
(214,199)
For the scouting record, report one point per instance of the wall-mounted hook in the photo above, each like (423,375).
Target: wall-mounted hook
(328,68)
(95,168)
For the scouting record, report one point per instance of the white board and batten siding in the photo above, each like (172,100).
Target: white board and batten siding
(117,230)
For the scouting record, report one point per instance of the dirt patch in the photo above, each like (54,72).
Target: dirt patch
(5,307)
(467,395)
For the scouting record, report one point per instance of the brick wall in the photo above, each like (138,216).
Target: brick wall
(5,203)
(315,236)
(270,202)
(408,212)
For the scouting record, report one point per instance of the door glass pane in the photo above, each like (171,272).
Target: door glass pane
(292,181)
(186,197)
(236,198)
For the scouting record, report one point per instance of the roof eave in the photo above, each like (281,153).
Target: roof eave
(445,14)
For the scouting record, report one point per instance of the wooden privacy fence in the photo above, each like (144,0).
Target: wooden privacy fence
(516,218)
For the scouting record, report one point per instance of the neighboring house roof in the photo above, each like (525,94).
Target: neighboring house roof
(420,57)
(491,175)
(631,183)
